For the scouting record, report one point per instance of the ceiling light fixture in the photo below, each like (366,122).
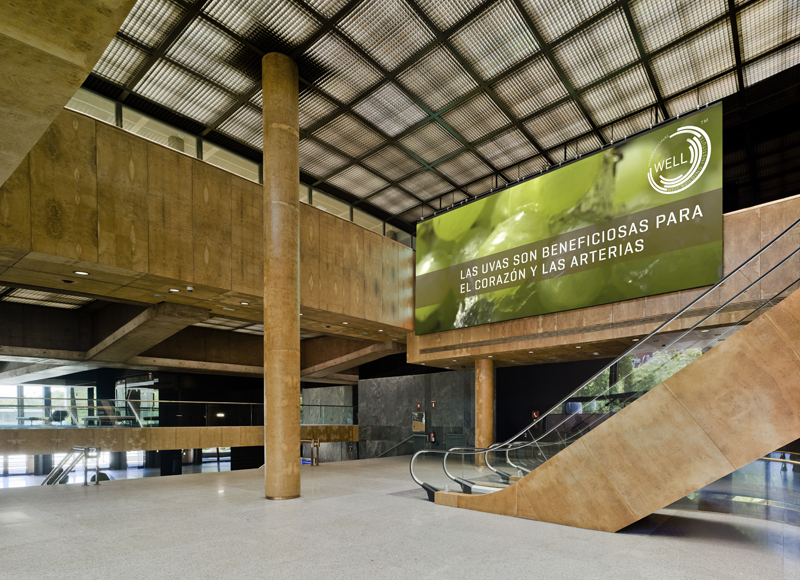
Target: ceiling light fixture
(706,330)
(380,330)
(578,347)
(157,296)
(635,340)
(229,309)
(244,303)
(345,323)
(175,290)
(79,273)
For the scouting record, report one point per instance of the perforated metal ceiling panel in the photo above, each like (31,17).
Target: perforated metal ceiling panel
(410,101)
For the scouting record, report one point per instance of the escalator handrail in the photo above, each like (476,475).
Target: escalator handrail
(512,440)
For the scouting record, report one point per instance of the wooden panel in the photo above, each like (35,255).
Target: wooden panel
(309,256)
(353,255)
(15,209)
(169,205)
(122,218)
(64,189)
(643,451)
(389,290)
(405,288)
(373,276)
(247,237)
(731,406)
(743,392)
(330,263)
(211,224)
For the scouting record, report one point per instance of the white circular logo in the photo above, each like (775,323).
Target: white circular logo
(698,155)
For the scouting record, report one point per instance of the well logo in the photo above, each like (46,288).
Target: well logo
(685,165)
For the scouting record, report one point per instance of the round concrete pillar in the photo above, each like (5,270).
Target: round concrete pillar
(281,277)
(484,405)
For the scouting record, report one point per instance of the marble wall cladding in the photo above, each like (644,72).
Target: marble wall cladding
(327,405)
(385,406)
(337,451)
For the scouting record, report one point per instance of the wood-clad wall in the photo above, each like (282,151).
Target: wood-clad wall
(153,217)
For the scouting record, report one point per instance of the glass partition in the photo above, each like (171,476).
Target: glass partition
(229,161)
(368,221)
(94,105)
(158,132)
(330,204)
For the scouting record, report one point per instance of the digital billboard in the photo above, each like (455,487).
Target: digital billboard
(638,219)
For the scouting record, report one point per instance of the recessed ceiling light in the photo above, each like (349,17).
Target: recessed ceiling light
(447,367)
(706,330)
(530,352)
(454,360)
(552,358)
(513,361)
(79,273)
(423,364)
(345,323)
(578,347)
(490,356)
(635,340)
(365,333)
(230,309)
(595,353)
(301,314)
(157,296)
(244,303)
(174,290)
(380,330)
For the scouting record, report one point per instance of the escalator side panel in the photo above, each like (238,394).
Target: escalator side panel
(737,402)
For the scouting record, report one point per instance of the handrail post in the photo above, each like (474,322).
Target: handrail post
(85,466)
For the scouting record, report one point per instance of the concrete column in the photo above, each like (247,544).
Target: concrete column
(281,277)
(484,405)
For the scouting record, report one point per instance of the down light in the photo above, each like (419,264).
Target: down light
(530,352)
(635,340)
(244,303)
(220,414)
(378,330)
(490,356)
(578,347)
(345,323)
(157,296)
(229,309)
(81,273)
(704,330)
(174,290)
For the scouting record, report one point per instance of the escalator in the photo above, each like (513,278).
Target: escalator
(714,387)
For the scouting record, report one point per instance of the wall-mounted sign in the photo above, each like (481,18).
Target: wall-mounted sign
(635,220)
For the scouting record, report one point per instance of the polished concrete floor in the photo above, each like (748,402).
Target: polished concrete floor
(357,519)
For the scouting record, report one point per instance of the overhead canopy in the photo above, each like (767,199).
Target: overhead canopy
(411,105)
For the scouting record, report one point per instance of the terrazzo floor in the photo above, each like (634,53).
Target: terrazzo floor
(357,519)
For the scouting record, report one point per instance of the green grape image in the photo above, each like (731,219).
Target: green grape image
(516,231)
(451,225)
(686,268)
(469,245)
(427,316)
(573,290)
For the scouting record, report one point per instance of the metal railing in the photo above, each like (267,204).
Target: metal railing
(515,443)
(61,471)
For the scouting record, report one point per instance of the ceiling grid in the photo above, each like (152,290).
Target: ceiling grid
(410,106)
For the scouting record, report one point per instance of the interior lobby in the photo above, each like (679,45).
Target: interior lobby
(291,288)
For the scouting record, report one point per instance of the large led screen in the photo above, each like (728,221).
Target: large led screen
(635,220)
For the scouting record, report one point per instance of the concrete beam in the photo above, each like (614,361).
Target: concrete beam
(334,379)
(148,329)
(351,360)
(47,50)
(30,373)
